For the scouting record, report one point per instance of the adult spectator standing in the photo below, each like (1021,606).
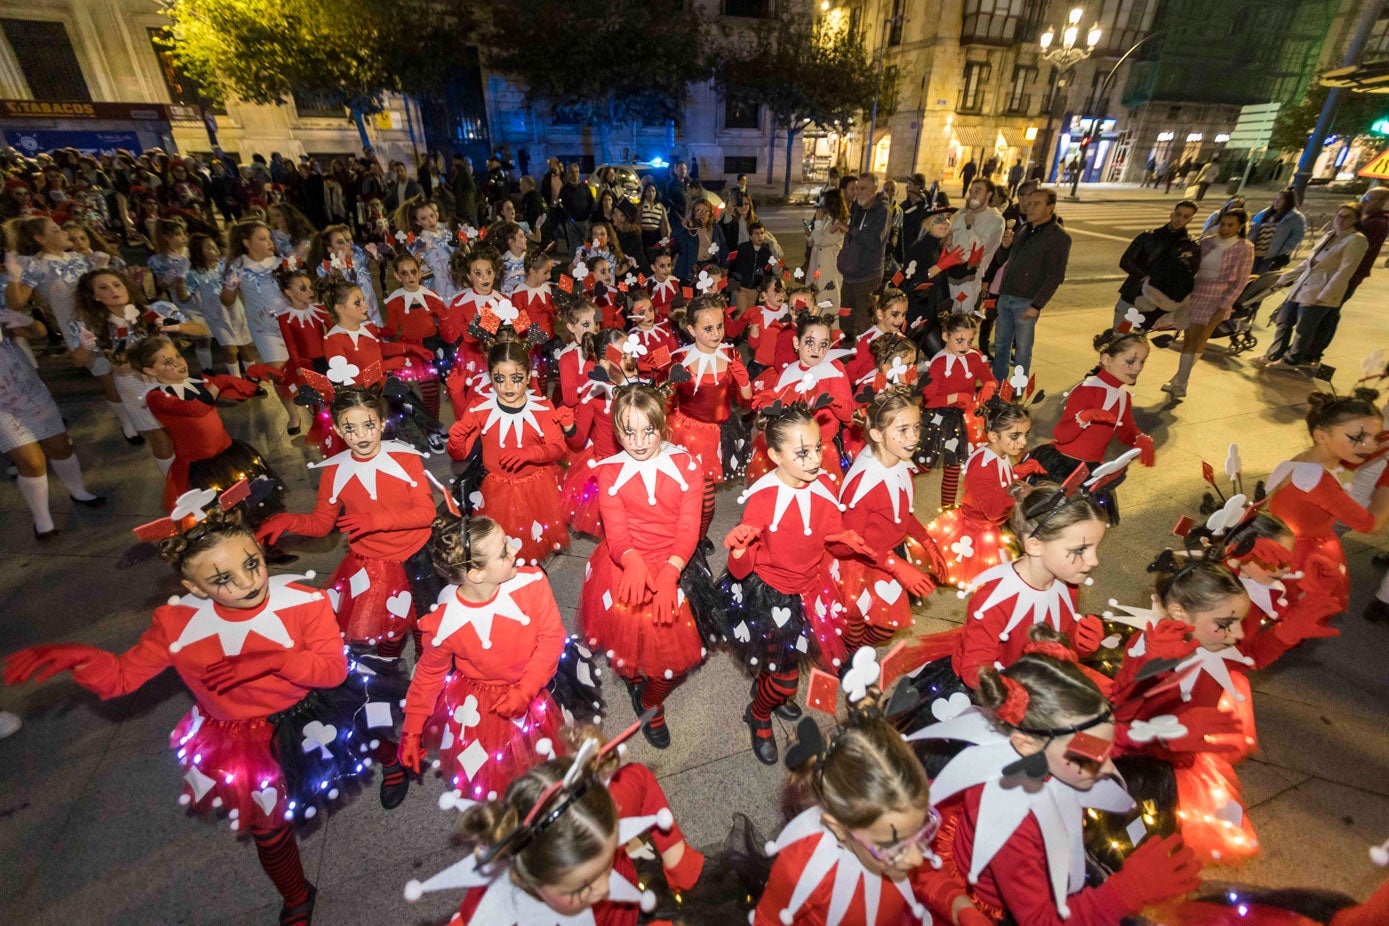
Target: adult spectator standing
(523,161)
(978,229)
(221,189)
(894,222)
(824,240)
(990,167)
(1319,288)
(498,185)
(1208,174)
(1037,257)
(400,189)
(914,211)
(1374,225)
(676,196)
(967,174)
(860,261)
(1277,232)
(464,189)
(532,205)
(1015,175)
(1148,249)
(279,170)
(552,181)
(1149,172)
(576,203)
(311,194)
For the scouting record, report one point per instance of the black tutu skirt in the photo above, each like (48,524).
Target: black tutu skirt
(1152,783)
(735,445)
(944,438)
(934,694)
(1059,466)
(748,620)
(445,355)
(705,598)
(408,420)
(237,462)
(575,685)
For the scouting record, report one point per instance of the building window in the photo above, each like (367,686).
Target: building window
(972,87)
(1378,45)
(1019,100)
(996,22)
(894,23)
(46,57)
(1123,23)
(740,165)
(753,9)
(317,109)
(183,90)
(738,115)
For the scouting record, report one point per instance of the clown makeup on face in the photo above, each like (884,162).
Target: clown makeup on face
(638,435)
(480,276)
(642,315)
(958,342)
(493,561)
(167,366)
(299,292)
(353,312)
(897,441)
(661,267)
(603,272)
(1218,627)
(892,315)
(1127,366)
(1070,557)
(706,327)
(510,382)
(232,573)
(1080,769)
(814,346)
(408,273)
(798,456)
(361,430)
(1010,442)
(585,322)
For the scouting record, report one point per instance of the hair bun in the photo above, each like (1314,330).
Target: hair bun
(1320,400)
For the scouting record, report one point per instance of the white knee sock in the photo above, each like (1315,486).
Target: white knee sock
(204,352)
(1383,593)
(70,471)
(164,463)
(123,416)
(35,492)
(234,368)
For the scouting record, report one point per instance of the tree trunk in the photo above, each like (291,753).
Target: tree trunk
(790,141)
(771,153)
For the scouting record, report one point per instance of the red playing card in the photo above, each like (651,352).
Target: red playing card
(1207,472)
(462,236)
(687,292)
(894,665)
(1184,526)
(786,275)
(155,531)
(660,357)
(815,275)
(239,492)
(722,284)
(622,287)
(566,282)
(733,256)
(1089,746)
(410,238)
(371,375)
(641,279)
(897,278)
(327,266)
(822,693)
(482,233)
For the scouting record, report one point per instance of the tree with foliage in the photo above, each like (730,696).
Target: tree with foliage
(349,52)
(1355,115)
(601,62)
(806,72)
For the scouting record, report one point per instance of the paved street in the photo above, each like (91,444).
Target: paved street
(89,822)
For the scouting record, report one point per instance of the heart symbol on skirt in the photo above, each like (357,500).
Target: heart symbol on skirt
(888,591)
(952,444)
(334,598)
(399,604)
(781,615)
(944,709)
(265,799)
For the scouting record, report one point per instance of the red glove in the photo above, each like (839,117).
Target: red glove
(1302,625)
(852,540)
(516,458)
(951,258)
(632,587)
(1169,638)
(976,254)
(234,387)
(741,536)
(411,754)
(1087,634)
(739,374)
(1096,416)
(272,528)
(1147,453)
(915,581)
(260,371)
(1157,870)
(420,351)
(43,662)
(232,671)
(355,525)
(667,595)
(513,703)
(564,417)
(1028,468)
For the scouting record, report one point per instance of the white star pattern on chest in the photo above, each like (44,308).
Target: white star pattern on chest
(1035,606)
(231,635)
(348,467)
(795,373)
(871,473)
(307,318)
(828,858)
(984,457)
(1261,596)
(188,389)
(785,495)
(1116,398)
(1006,803)
(951,360)
(699,363)
(356,336)
(412,299)
(538,294)
(663,461)
(663,288)
(459,614)
(508,422)
(1214,664)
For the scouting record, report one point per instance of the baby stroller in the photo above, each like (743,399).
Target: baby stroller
(1238,327)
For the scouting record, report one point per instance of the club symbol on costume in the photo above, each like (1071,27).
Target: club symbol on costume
(545,748)
(1134,317)
(737,590)
(466,714)
(475,499)
(341,371)
(191,504)
(505,311)
(780,616)
(863,672)
(579,271)
(963,548)
(319,735)
(1233,464)
(911,270)
(1018,380)
(1162,727)
(713,248)
(1227,515)
(944,709)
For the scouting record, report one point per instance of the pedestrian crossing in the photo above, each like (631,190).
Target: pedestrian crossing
(1126,218)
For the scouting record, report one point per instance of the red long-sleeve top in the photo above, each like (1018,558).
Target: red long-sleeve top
(878,506)
(303,331)
(538,303)
(514,638)
(999,614)
(362,348)
(987,478)
(413,315)
(574,368)
(1016,879)
(188,411)
(531,428)
(829,379)
(862,363)
(892,909)
(960,375)
(709,393)
(659,522)
(1311,502)
(1089,442)
(593,421)
(453,324)
(189,635)
(391,487)
(786,558)
(764,326)
(654,339)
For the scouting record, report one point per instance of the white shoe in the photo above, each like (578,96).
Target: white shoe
(9,724)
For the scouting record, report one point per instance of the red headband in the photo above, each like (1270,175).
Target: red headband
(1056,651)
(1014,707)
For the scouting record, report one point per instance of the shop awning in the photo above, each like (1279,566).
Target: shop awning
(974,136)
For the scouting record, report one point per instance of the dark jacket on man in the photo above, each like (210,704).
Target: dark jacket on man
(1037,261)
(862,256)
(1146,249)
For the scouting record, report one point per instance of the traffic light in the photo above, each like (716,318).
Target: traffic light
(1085,141)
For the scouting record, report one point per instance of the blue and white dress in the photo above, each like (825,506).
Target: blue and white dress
(55,277)
(263,304)
(227,323)
(435,248)
(125,332)
(359,273)
(27,411)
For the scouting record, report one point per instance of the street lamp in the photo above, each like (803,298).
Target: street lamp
(1064,57)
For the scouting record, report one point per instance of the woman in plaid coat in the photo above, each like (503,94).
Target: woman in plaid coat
(1226,260)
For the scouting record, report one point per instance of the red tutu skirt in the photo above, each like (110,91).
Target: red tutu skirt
(635,646)
(933,647)
(1322,560)
(228,766)
(321,433)
(1246,741)
(1210,813)
(372,598)
(529,509)
(704,441)
(872,596)
(580,494)
(969,546)
(480,751)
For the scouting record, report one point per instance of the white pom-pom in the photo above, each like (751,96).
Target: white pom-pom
(375,744)
(310,574)
(664,819)
(434,766)
(414,890)
(1003,637)
(447,800)
(185,799)
(173,599)
(1379,855)
(235,825)
(1089,581)
(234,814)
(769,848)
(367,762)
(310,812)
(216,802)
(648,901)
(786,917)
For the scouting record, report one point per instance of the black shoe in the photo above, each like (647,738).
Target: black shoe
(393,788)
(96,502)
(1381,559)
(764,747)
(301,915)
(634,690)
(1376,612)
(41,536)
(656,731)
(260,393)
(137,441)
(789,711)
(294,431)
(278,557)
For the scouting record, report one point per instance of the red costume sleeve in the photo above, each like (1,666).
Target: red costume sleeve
(395,318)
(584,413)
(843,401)
(420,512)
(235,386)
(291,345)
(110,676)
(434,663)
(320,662)
(786,871)
(984,492)
(549,641)
(613,516)
(462,434)
(1127,429)
(637,794)
(320,521)
(1337,501)
(979,645)
(1068,429)
(741,567)
(735,323)
(161,403)
(1021,867)
(551,440)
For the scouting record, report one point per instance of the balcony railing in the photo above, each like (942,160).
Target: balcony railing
(1018,105)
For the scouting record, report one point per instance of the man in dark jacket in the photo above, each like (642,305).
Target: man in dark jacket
(967,176)
(677,197)
(1037,258)
(464,189)
(913,212)
(576,207)
(498,184)
(861,258)
(1145,250)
